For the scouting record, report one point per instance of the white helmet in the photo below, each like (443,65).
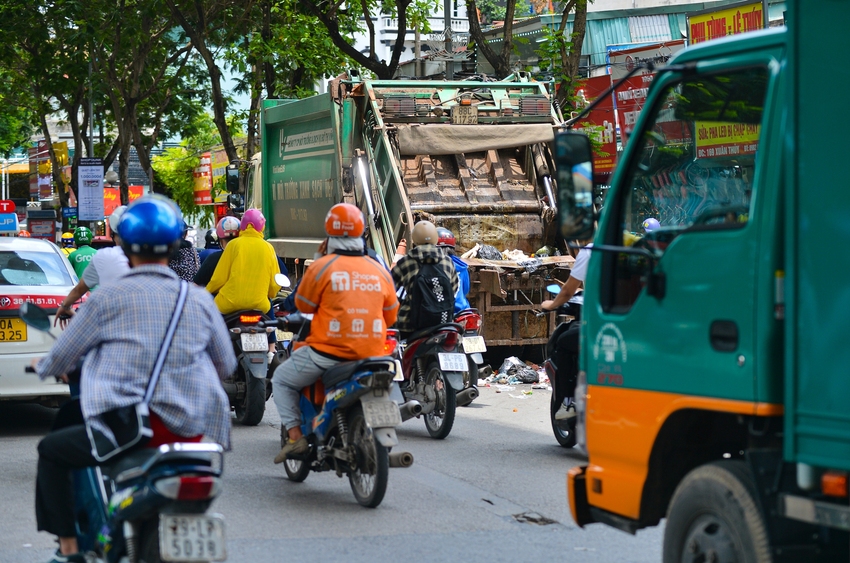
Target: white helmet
(115,218)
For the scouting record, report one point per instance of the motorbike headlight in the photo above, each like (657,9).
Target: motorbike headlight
(581,410)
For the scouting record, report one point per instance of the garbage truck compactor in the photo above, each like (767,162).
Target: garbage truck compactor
(714,388)
(474,157)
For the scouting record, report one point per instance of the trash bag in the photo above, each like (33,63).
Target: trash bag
(487,252)
(531,264)
(514,368)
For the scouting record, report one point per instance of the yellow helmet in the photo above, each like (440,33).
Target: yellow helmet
(68,240)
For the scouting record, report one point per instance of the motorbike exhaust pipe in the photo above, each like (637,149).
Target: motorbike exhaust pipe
(401,459)
(410,409)
(467,396)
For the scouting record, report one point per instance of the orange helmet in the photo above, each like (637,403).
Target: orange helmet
(23,233)
(344,220)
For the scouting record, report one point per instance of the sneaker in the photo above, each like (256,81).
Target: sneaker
(565,412)
(73,558)
(298,447)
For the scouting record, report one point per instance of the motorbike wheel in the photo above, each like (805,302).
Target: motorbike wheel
(149,544)
(439,421)
(369,477)
(566,438)
(296,469)
(250,411)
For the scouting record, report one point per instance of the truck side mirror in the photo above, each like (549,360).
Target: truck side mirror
(574,161)
(232,178)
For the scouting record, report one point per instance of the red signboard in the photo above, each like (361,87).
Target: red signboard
(7,206)
(630,97)
(112,197)
(602,117)
(203,180)
(46,301)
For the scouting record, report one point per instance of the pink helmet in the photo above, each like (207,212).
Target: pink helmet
(253,217)
(227,228)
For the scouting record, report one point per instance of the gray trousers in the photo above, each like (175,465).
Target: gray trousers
(303,368)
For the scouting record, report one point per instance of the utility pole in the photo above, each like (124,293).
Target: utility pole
(450,65)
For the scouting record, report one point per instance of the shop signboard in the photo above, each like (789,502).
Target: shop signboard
(8,223)
(733,19)
(90,190)
(112,198)
(203,180)
(603,119)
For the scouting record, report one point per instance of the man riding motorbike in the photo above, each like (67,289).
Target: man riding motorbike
(446,240)
(82,257)
(404,272)
(67,247)
(120,328)
(211,245)
(352,300)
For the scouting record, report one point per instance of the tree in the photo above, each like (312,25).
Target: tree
(500,61)
(18,120)
(570,47)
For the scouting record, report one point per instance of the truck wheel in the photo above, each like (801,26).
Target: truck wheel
(250,411)
(565,431)
(713,516)
(440,420)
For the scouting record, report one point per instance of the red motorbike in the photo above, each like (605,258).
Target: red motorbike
(473,347)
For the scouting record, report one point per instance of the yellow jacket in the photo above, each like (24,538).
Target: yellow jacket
(244,277)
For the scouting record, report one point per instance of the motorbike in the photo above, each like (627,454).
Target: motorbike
(349,419)
(149,504)
(473,347)
(249,387)
(556,368)
(434,371)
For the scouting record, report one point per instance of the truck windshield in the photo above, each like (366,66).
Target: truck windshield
(696,163)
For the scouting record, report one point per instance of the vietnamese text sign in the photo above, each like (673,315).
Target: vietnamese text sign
(704,26)
(602,117)
(90,190)
(112,197)
(717,139)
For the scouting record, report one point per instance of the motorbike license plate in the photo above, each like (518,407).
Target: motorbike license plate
(474,344)
(13,330)
(381,414)
(185,537)
(453,362)
(257,342)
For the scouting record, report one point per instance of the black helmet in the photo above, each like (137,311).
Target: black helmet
(211,238)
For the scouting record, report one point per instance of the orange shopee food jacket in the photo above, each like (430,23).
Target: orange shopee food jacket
(353,301)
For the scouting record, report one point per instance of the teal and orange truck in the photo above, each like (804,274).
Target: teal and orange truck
(714,380)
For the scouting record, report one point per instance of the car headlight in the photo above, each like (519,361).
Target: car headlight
(581,409)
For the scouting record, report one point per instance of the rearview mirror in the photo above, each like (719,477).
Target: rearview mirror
(232,178)
(574,161)
(282,280)
(35,316)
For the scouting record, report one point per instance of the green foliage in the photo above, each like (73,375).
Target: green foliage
(494,10)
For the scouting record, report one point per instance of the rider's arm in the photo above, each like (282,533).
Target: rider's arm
(220,347)
(309,291)
(82,335)
(273,287)
(79,290)
(567,291)
(390,308)
(222,270)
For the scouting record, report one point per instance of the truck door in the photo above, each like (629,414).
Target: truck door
(688,198)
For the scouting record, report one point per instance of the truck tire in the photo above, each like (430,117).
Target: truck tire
(253,406)
(714,516)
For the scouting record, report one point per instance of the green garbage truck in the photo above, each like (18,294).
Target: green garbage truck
(471,156)
(714,371)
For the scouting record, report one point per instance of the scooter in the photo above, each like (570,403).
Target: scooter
(557,368)
(434,367)
(249,387)
(148,505)
(473,346)
(349,419)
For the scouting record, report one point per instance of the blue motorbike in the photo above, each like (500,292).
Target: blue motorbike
(349,418)
(148,505)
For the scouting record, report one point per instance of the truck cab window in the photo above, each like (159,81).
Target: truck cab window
(693,172)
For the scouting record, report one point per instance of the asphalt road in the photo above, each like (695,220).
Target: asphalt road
(463,499)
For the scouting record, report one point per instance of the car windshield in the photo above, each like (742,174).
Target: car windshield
(33,268)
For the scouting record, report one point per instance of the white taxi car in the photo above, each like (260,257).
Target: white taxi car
(30,270)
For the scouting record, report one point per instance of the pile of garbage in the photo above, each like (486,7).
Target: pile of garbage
(516,372)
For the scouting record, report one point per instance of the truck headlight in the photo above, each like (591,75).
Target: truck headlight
(581,409)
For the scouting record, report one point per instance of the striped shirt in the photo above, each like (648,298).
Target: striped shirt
(121,328)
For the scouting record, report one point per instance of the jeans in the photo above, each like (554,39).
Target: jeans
(303,368)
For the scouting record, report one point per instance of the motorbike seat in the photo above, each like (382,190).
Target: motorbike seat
(428,331)
(143,456)
(345,370)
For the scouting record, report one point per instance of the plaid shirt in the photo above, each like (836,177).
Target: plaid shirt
(121,327)
(405,272)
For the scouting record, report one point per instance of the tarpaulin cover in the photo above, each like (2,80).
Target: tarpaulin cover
(454,139)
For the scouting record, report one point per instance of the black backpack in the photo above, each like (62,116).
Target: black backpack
(431,297)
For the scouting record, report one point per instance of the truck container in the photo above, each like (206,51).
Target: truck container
(713,386)
(471,156)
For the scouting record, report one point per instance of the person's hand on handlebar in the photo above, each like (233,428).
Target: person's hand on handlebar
(63,316)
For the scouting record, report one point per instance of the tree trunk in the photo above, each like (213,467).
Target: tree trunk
(571,60)
(501,62)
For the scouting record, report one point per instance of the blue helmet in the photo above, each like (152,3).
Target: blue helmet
(152,225)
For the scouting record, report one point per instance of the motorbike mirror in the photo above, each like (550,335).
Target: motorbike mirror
(554,289)
(282,280)
(35,316)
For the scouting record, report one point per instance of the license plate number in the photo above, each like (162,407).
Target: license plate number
(191,538)
(12,330)
(465,115)
(257,342)
(453,362)
(474,344)
(381,414)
